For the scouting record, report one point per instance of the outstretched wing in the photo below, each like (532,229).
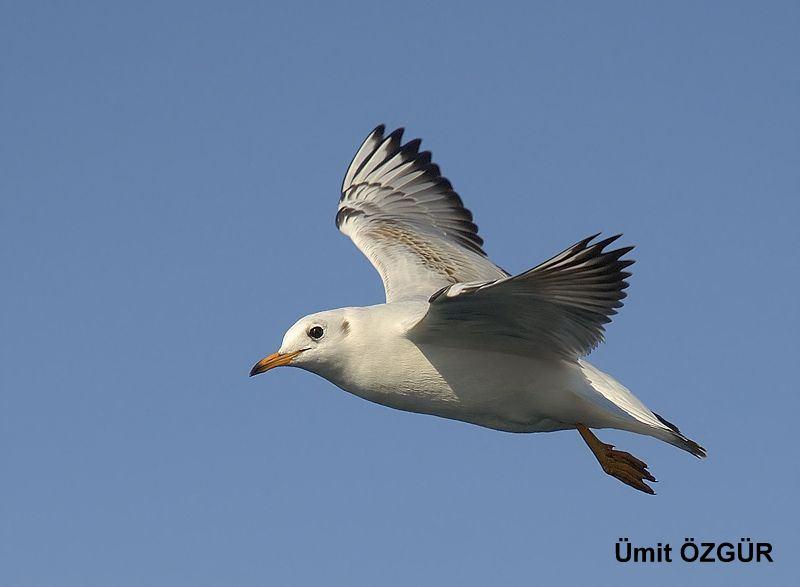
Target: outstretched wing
(559,307)
(405,217)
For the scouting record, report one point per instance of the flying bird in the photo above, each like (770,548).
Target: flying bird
(459,337)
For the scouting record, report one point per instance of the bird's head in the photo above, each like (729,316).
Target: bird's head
(312,343)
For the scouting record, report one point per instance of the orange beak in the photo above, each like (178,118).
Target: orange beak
(273,360)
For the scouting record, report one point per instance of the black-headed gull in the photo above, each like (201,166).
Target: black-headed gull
(460,338)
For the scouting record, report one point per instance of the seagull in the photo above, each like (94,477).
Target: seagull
(461,338)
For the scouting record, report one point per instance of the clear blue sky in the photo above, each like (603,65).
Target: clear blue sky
(169,179)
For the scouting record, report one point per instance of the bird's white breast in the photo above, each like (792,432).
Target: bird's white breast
(488,388)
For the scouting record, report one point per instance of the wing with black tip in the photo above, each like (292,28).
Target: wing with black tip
(558,307)
(406,218)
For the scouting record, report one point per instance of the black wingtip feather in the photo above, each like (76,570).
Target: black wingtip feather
(607,241)
(396,135)
(412,147)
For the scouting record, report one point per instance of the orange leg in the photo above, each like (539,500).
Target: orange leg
(622,465)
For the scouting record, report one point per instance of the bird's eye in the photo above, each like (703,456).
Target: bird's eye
(316,332)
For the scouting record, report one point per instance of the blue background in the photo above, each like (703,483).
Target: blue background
(170,175)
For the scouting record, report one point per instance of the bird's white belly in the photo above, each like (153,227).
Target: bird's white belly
(495,390)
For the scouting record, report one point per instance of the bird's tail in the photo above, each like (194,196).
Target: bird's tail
(676,438)
(634,416)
